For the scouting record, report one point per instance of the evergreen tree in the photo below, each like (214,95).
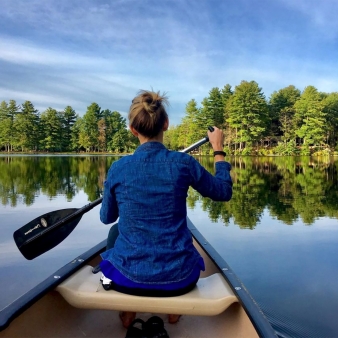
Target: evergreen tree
(13,110)
(226,97)
(213,109)
(203,119)
(75,143)
(69,117)
(4,126)
(192,112)
(188,126)
(118,134)
(226,94)
(8,113)
(282,112)
(51,132)
(330,107)
(310,118)
(89,132)
(248,113)
(26,125)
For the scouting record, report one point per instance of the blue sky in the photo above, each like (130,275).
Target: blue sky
(59,53)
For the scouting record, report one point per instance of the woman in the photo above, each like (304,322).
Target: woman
(153,254)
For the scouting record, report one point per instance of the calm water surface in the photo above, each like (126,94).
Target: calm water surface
(279,233)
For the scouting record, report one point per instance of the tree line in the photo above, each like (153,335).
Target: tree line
(289,122)
(23,128)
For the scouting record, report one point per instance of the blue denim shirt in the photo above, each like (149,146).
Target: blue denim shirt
(148,191)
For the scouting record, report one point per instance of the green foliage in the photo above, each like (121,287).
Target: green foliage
(311,117)
(304,151)
(89,132)
(246,151)
(26,126)
(330,107)
(116,132)
(5,125)
(248,113)
(171,138)
(68,118)
(282,112)
(51,130)
(285,149)
(189,125)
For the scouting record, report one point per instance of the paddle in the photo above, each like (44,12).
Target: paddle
(47,231)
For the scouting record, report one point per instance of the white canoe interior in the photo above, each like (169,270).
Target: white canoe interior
(80,307)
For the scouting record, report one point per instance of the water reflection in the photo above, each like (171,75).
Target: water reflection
(290,188)
(23,178)
(285,268)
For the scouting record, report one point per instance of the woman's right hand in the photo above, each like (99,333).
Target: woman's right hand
(216,138)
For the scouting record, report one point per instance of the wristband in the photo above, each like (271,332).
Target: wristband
(219,152)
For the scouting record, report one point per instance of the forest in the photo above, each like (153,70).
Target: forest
(289,122)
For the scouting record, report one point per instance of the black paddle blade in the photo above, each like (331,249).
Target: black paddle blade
(39,236)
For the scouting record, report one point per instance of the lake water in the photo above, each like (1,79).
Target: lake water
(279,233)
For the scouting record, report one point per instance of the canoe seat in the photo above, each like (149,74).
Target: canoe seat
(211,296)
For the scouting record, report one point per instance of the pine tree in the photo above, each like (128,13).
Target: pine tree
(26,125)
(310,117)
(188,127)
(330,107)
(51,132)
(69,117)
(227,93)
(248,113)
(89,132)
(282,112)
(4,126)
(118,134)
(213,109)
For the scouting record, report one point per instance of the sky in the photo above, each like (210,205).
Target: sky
(60,53)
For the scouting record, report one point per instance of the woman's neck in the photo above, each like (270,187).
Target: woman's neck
(157,138)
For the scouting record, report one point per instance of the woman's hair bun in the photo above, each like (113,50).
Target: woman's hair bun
(151,101)
(147,113)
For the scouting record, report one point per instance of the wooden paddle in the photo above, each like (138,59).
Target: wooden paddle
(47,231)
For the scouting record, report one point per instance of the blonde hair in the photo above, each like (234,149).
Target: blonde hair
(147,113)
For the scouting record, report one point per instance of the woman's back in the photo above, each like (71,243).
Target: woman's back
(152,251)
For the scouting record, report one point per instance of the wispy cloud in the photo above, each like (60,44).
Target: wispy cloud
(23,52)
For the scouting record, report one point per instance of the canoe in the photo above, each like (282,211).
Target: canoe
(72,303)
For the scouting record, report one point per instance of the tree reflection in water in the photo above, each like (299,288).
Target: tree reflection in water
(291,188)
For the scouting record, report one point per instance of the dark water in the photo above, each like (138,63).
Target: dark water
(279,233)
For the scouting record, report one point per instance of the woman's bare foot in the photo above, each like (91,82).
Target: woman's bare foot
(173,319)
(127,317)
